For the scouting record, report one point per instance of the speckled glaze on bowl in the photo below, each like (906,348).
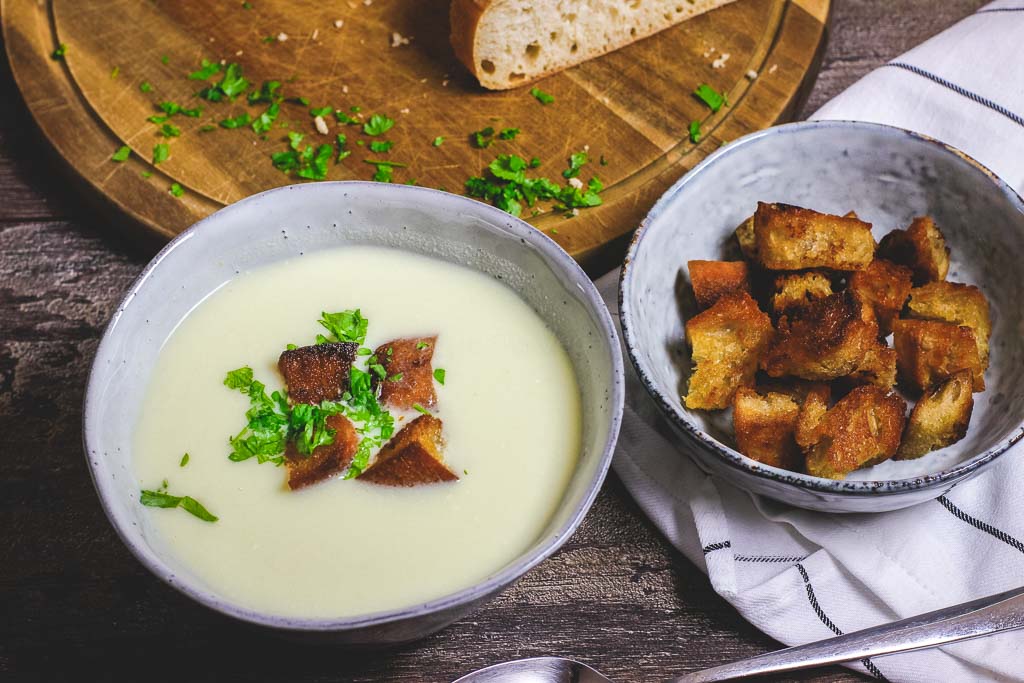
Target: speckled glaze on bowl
(289,222)
(888,176)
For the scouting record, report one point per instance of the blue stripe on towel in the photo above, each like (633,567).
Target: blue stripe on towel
(960,90)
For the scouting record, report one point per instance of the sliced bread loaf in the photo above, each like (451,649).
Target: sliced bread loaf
(508,43)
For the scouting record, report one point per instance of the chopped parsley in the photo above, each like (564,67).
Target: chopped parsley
(439,375)
(161,152)
(162,499)
(576,162)
(247,5)
(184,460)
(145,86)
(146,174)
(230,85)
(176,190)
(322,111)
(711,97)
(438,141)
(204,72)
(239,121)
(346,326)
(59,53)
(482,138)
(509,133)
(695,134)
(263,122)
(169,130)
(380,146)
(342,117)
(507,186)
(115,71)
(308,162)
(420,409)
(384,172)
(378,125)
(342,152)
(422,345)
(268,93)
(164,59)
(122,153)
(541,96)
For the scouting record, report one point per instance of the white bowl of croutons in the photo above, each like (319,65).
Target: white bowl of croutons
(829,314)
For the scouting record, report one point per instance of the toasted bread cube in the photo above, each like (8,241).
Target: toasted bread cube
(412,457)
(325,461)
(825,339)
(928,352)
(712,279)
(812,410)
(746,239)
(793,238)
(798,289)
(921,247)
(954,303)
(861,430)
(940,418)
(409,375)
(884,287)
(764,426)
(877,368)
(726,342)
(317,373)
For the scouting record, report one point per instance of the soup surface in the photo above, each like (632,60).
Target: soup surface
(510,406)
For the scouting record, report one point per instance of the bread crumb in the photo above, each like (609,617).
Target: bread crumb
(423,80)
(397,39)
(238,54)
(444,84)
(773,69)
(338,23)
(282,36)
(751,74)
(586,148)
(720,62)
(367,2)
(321,125)
(576,182)
(344,89)
(316,32)
(575,212)
(404,110)
(223,62)
(708,52)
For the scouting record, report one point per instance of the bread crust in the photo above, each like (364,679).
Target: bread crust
(316,373)
(408,360)
(928,352)
(412,457)
(795,238)
(713,279)
(324,461)
(940,418)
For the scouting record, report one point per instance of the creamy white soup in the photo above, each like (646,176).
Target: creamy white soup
(509,404)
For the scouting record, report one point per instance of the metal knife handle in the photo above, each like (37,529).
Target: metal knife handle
(982,617)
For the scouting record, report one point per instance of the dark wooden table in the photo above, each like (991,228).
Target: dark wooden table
(74,603)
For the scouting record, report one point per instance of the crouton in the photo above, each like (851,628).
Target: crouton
(712,279)
(408,373)
(878,367)
(928,352)
(799,289)
(940,418)
(325,461)
(726,342)
(317,373)
(411,457)
(792,238)
(764,426)
(921,247)
(826,339)
(861,430)
(745,238)
(954,303)
(884,287)
(812,409)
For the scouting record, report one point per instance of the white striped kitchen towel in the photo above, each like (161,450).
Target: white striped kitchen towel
(801,576)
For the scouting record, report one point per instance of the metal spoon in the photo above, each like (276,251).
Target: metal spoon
(982,617)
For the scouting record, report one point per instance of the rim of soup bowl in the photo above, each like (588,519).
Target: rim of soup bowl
(732,457)
(530,238)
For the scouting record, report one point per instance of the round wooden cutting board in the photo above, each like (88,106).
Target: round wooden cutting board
(632,107)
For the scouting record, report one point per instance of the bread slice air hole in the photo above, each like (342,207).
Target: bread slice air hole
(487,65)
(533,50)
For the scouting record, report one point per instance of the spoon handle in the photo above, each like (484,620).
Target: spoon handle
(982,617)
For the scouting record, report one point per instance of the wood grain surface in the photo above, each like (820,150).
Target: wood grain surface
(77,607)
(632,107)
